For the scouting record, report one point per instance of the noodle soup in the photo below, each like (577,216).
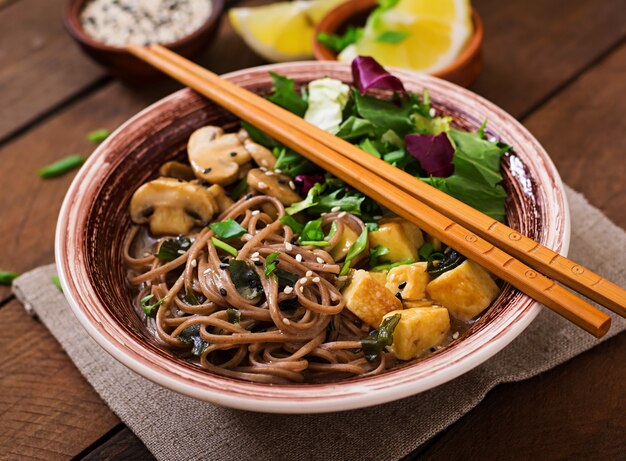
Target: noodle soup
(257,265)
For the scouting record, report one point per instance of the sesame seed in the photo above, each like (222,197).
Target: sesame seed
(223,291)
(335,209)
(249,196)
(288,246)
(316,280)
(320,260)
(206,271)
(269,173)
(399,295)
(288,290)
(292,186)
(303,280)
(323,214)
(206,170)
(146,254)
(179,313)
(255,254)
(309,273)
(402,286)
(377,217)
(333,296)
(286,322)
(282,181)
(263,169)
(261,185)
(255,212)
(432,112)
(194,263)
(233,154)
(181,252)
(301,289)
(493,139)
(257,262)
(277,171)
(342,278)
(223,266)
(299,257)
(342,214)
(455,335)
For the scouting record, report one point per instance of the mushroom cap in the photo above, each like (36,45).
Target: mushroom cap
(171,206)
(274,184)
(215,156)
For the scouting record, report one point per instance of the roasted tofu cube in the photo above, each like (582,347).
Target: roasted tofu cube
(466,290)
(348,237)
(401,237)
(419,329)
(368,299)
(409,280)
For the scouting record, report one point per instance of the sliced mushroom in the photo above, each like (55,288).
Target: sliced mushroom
(276,185)
(215,156)
(261,155)
(172,207)
(177,170)
(219,194)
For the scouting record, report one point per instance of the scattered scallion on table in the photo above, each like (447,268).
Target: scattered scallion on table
(97,136)
(6,277)
(61,166)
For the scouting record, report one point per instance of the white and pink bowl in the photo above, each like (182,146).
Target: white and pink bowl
(94,220)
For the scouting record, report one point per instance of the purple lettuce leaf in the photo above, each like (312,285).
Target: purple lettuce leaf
(304,182)
(433,152)
(367,74)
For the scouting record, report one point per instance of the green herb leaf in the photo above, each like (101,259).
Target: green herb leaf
(227,229)
(224,246)
(379,339)
(310,200)
(245,279)
(369,147)
(173,248)
(271,262)
(387,115)
(336,42)
(312,231)
(387,267)
(291,163)
(149,308)
(290,221)
(62,166)
(258,136)
(425,251)
(239,189)
(234,315)
(6,277)
(371,226)
(355,127)
(392,36)
(191,336)
(285,278)
(376,253)
(98,135)
(56,282)
(358,247)
(285,95)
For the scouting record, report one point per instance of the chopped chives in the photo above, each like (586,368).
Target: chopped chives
(7,277)
(224,246)
(57,283)
(98,135)
(61,166)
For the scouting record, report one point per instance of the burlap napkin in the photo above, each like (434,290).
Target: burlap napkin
(175,427)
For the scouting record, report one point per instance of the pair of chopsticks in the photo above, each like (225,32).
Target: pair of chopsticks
(506,253)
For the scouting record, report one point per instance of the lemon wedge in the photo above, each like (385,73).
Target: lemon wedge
(423,35)
(281,31)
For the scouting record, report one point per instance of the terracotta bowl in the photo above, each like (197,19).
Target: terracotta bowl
(120,62)
(94,220)
(463,71)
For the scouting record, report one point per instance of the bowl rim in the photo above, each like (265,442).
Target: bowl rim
(342,395)
(343,10)
(72,24)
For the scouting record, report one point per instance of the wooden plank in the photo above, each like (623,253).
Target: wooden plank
(48,410)
(40,66)
(122,446)
(572,412)
(584,131)
(533,47)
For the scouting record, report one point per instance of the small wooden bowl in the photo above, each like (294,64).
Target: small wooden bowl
(463,71)
(120,62)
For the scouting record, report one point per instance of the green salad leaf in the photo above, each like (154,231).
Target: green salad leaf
(271,262)
(338,43)
(227,229)
(358,247)
(285,95)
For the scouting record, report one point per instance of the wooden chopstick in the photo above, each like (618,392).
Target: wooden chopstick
(237,101)
(524,248)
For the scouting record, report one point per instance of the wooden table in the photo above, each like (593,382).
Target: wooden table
(558,66)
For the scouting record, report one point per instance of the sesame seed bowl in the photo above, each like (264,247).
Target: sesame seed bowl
(102,28)
(94,221)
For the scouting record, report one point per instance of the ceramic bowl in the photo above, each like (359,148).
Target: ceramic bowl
(463,71)
(94,220)
(120,62)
